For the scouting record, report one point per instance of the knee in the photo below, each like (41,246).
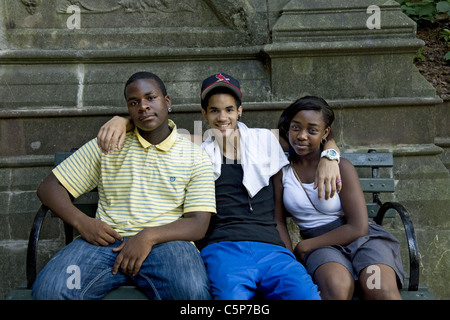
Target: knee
(334,281)
(337,288)
(381,286)
(388,292)
(385,291)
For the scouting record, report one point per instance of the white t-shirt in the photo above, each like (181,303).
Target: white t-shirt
(299,206)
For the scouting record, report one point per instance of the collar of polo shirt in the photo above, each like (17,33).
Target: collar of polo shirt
(166,144)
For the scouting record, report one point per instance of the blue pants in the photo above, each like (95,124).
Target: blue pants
(172,270)
(240,270)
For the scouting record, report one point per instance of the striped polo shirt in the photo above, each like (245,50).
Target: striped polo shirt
(142,185)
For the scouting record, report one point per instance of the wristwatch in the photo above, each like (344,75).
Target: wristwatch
(330,154)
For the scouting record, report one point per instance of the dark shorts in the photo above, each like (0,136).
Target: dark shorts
(378,247)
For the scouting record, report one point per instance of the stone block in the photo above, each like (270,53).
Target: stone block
(109,24)
(326,48)
(104,86)
(45,136)
(12,261)
(22,202)
(12,257)
(28,179)
(427,200)
(330,20)
(384,125)
(5,228)
(419,162)
(5,179)
(32,85)
(443,118)
(435,259)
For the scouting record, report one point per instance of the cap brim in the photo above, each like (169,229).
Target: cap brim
(235,89)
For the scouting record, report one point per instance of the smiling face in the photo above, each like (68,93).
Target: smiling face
(148,108)
(222,113)
(306,130)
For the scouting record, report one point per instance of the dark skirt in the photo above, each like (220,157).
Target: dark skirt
(378,247)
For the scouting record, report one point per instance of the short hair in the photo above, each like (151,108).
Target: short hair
(146,75)
(220,90)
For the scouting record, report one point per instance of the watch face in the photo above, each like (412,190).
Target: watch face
(333,153)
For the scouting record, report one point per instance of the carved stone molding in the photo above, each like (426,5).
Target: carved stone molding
(234,14)
(112,24)
(150,6)
(31,5)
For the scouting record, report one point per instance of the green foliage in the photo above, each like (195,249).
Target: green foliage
(419,55)
(428,10)
(425,10)
(445,34)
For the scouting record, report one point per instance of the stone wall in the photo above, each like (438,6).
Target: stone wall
(58,84)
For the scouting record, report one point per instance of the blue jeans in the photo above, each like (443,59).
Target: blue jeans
(245,270)
(172,270)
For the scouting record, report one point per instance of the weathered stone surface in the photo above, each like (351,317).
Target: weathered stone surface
(58,86)
(325,48)
(111,24)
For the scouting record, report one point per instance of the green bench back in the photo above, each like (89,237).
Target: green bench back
(375,184)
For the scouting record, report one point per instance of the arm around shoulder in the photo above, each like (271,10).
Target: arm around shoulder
(112,133)
(328,176)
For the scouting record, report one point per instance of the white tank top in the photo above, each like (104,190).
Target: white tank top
(299,206)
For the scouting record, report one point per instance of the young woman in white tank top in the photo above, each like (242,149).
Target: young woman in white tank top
(305,124)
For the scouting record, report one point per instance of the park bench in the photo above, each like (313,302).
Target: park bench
(374,186)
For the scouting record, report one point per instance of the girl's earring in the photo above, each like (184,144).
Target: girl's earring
(170,109)
(323,141)
(239,117)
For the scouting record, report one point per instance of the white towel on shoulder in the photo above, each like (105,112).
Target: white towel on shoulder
(261,156)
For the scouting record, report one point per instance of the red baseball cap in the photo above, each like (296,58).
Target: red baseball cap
(220,80)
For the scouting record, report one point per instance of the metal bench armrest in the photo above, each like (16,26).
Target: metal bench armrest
(33,244)
(414,259)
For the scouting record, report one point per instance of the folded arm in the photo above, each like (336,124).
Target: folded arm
(354,206)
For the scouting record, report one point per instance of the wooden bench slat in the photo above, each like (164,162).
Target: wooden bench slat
(370,159)
(372,210)
(377,184)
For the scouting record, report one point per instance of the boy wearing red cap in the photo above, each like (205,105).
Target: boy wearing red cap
(243,251)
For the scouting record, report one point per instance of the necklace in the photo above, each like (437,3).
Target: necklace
(303,187)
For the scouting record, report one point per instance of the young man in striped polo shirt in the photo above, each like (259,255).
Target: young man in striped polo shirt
(156,195)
